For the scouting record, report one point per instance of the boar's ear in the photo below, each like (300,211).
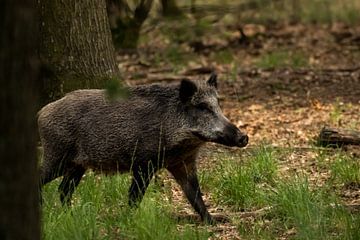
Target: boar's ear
(187,90)
(212,80)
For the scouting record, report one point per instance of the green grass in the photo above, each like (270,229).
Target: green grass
(314,213)
(305,11)
(100,211)
(282,59)
(223,56)
(331,11)
(242,185)
(300,212)
(185,29)
(336,113)
(259,228)
(174,55)
(295,207)
(263,165)
(308,211)
(345,170)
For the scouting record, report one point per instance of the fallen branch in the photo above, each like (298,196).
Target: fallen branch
(338,137)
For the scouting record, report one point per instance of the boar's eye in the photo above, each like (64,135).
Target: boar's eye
(203,107)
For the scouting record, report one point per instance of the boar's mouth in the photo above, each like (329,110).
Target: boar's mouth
(200,136)
(238,141)
(231,137)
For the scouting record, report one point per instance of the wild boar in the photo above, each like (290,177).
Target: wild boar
(157,126)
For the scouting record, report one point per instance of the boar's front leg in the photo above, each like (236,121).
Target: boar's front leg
(141,179)
(185,174)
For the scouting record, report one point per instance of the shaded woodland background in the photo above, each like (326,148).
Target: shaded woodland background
(286,69)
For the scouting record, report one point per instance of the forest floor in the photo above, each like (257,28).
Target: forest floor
(294,70)
(281,84)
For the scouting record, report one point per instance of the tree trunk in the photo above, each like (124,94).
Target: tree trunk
(192,6)
(19,203)
(170,9)
(76,46)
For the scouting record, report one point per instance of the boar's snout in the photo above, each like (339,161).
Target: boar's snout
(243,140)
(237,138)
(231,136)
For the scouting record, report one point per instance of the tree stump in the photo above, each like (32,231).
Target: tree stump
(338,137)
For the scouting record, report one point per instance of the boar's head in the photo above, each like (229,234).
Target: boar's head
(204,116)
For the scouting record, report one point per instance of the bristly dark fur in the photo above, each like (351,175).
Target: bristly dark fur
(158,126)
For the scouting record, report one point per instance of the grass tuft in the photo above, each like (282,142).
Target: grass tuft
(301,208)
(345,170)
(282,59)
(100,211)
(243,185)
(312,213)
(282,206)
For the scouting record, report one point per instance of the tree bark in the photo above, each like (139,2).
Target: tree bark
(76,46)
(338,137)
(19,203)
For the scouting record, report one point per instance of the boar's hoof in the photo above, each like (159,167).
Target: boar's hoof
(208,220)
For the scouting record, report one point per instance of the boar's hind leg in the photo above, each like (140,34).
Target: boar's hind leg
(140,181)
(53,164)
(70,181)
(185,175)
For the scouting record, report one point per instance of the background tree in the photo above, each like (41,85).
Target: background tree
(19,211)
(76,46)
(170,9)
(126,21)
